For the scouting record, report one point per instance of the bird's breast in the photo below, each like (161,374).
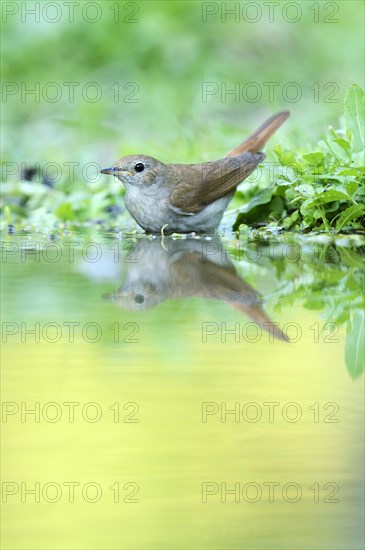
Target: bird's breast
(148,207)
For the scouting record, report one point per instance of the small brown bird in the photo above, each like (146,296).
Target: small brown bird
(181,198)
(174,269)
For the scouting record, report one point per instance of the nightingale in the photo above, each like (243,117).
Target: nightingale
(169,269)
(184,198)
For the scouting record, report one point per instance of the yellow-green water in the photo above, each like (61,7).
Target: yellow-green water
(132,438)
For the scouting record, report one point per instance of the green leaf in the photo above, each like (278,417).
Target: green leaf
(351,187)
(262,197)
(315,159)
(337,150)
(351,213)
(317,214)
(306,209)
(288,222)
(287,158)
(355,344)
(349,172)
(315,302)
(331,195)
(342,143)
(65,212)
(354,110)
(305,190)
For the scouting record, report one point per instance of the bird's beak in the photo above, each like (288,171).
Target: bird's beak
(108,170)
(115,171)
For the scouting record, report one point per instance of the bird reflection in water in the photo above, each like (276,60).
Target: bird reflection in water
(166,268)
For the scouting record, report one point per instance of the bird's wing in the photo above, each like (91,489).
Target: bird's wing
(221,282)
(198,185)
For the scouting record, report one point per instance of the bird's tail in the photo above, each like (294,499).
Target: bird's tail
(257,140)
(260,317)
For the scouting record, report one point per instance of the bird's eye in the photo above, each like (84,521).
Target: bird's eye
(139,167)
(139,299)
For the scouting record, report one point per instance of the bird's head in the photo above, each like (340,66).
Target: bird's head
(137,170)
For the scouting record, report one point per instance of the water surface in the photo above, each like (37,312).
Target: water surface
(186,393)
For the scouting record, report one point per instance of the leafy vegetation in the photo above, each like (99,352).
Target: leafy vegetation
(323,189)
(314,271)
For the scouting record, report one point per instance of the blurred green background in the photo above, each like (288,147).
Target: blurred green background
(158,55)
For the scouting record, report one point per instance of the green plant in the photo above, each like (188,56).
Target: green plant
(321,189)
